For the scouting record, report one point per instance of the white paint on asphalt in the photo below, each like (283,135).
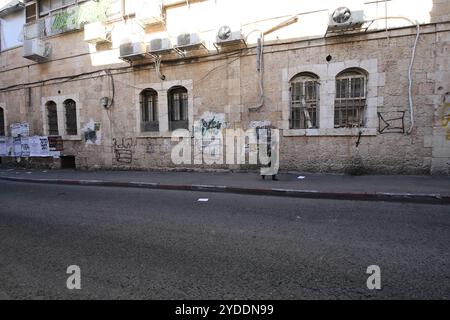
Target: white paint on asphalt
(203,200)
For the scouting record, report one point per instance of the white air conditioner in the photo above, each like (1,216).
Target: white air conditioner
(160,46)
(36,50)
(35,29)
(187,40)
(149,12)
(96,32)
(133,51)
(225,36)
(345,19)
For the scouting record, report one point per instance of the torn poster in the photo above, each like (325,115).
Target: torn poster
(20,129)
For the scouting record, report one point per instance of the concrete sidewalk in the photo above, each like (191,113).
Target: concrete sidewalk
(371,187)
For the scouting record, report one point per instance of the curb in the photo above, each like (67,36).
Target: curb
(293,193)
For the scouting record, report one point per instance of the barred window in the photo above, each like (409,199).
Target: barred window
(350,99)
(149,110)
(70,109)
(52,118)
(304,92)
(2,123)
(178,108)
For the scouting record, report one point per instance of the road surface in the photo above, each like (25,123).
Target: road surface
(156,244)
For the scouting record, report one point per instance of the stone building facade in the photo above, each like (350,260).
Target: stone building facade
(370,66)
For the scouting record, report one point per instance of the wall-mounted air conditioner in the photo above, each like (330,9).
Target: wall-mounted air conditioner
(96,32)
(133,51)
(36,50)
(149,13)
(160,46)
(35,29)
(189,42)
(345,19)
(226,36)
(188,39)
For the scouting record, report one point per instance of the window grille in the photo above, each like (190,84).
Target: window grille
(304,102)
(52,118)
(350,100)
(70,108)
(178,108)
(149,110)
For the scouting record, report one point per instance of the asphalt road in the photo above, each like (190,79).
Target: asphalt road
(153,244)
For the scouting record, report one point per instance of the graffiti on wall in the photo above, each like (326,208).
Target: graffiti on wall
(123,150)
(259,124)
(391,122)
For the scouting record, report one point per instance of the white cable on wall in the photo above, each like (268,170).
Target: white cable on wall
(413,55)
(260,72)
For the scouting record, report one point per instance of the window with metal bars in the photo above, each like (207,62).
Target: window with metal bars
(178,108)
(350,100)
(52,118)
(2,123)
(149,110)
(304,92)
(46,6)
(70,108)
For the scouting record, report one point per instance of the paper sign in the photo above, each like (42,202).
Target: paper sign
(39,146)
(25,146)
(20,129)
(17,144)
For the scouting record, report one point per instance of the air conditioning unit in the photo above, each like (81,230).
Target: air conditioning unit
(149,13)
(133,51)
(96,32)
(36,50)
(35,29)
(345,19)
(160,46)
(228,37)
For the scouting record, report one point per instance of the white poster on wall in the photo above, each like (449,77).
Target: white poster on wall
(20,129)
(38,146)
(3,146)
(17,144)
(25,146)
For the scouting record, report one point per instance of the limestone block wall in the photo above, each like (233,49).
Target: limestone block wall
(228,86)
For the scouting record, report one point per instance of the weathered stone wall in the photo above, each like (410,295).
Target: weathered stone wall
(229,86)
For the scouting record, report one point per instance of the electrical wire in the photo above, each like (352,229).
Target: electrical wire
(260,47)
(411,64)
(158,68)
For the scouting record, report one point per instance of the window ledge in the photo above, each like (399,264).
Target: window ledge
(167,134)
(329,132)
(72,138)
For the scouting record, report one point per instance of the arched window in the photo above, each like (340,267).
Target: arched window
(149,110)
(2,123)
(178,108)
(52,118)
(70,110)
(304,107)
(350,98)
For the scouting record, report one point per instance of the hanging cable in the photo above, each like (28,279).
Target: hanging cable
(411,64)
(158,68)
(260,68)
